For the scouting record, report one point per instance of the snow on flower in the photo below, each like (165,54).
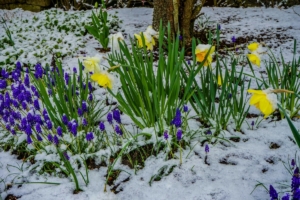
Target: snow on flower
(203,50)
(152,32)
(91,64)
(114,41)
(149,40)
(264,100)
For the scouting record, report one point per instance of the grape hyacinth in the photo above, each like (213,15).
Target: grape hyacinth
(29,141)
(206,148)
(109,118)
(116,116)
(39,138)
(89,136)
(102,126)
(84,122)
(179,134)
(66,156)
(286,197)
(65,119)
(273,193)
(84,106)
(59,131)
(295,180)
(177,119)
(185,108)
(50,137)
(166,136)
(118,130)
(55,140)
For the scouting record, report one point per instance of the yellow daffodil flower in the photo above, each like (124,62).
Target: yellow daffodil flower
(91,64)
(149,40)
(202,50)
(254,58)
(253,46)
(104,79)
(114,41)
(264,100)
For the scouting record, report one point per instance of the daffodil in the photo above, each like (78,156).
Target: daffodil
(264,100)
(253,46)
(254,58)
(203,50)
(91,64)
(104,79)
(114,41)
(152,32)
(149,40)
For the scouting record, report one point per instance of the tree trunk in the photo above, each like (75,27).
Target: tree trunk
(180,13)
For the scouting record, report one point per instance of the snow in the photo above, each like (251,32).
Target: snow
(229,171)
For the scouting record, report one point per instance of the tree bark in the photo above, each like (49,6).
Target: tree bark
(180,13)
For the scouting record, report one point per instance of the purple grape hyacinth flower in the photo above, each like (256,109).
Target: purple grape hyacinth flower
(118,130)
(102,126)
(84,106)
(84,122)
(233,39)
(80,112)
(206,148)
(273,193)
(19,65)
(185,108)
(286,197)
(59,131)
(29,140)
(166,136)
(66,155)
(50,137)
(39,138)
(177,119)
(117,116)
(38,128)
(55,140)
(3,84)
(49,125)
(89,136)
(74,129)
(295,180)
(65,119)
(109,118)
(179,134)
(36,104)
(38,71)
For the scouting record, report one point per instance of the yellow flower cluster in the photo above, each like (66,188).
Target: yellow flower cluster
(254,56)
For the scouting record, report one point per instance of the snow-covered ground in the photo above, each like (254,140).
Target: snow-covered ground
(230,171)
